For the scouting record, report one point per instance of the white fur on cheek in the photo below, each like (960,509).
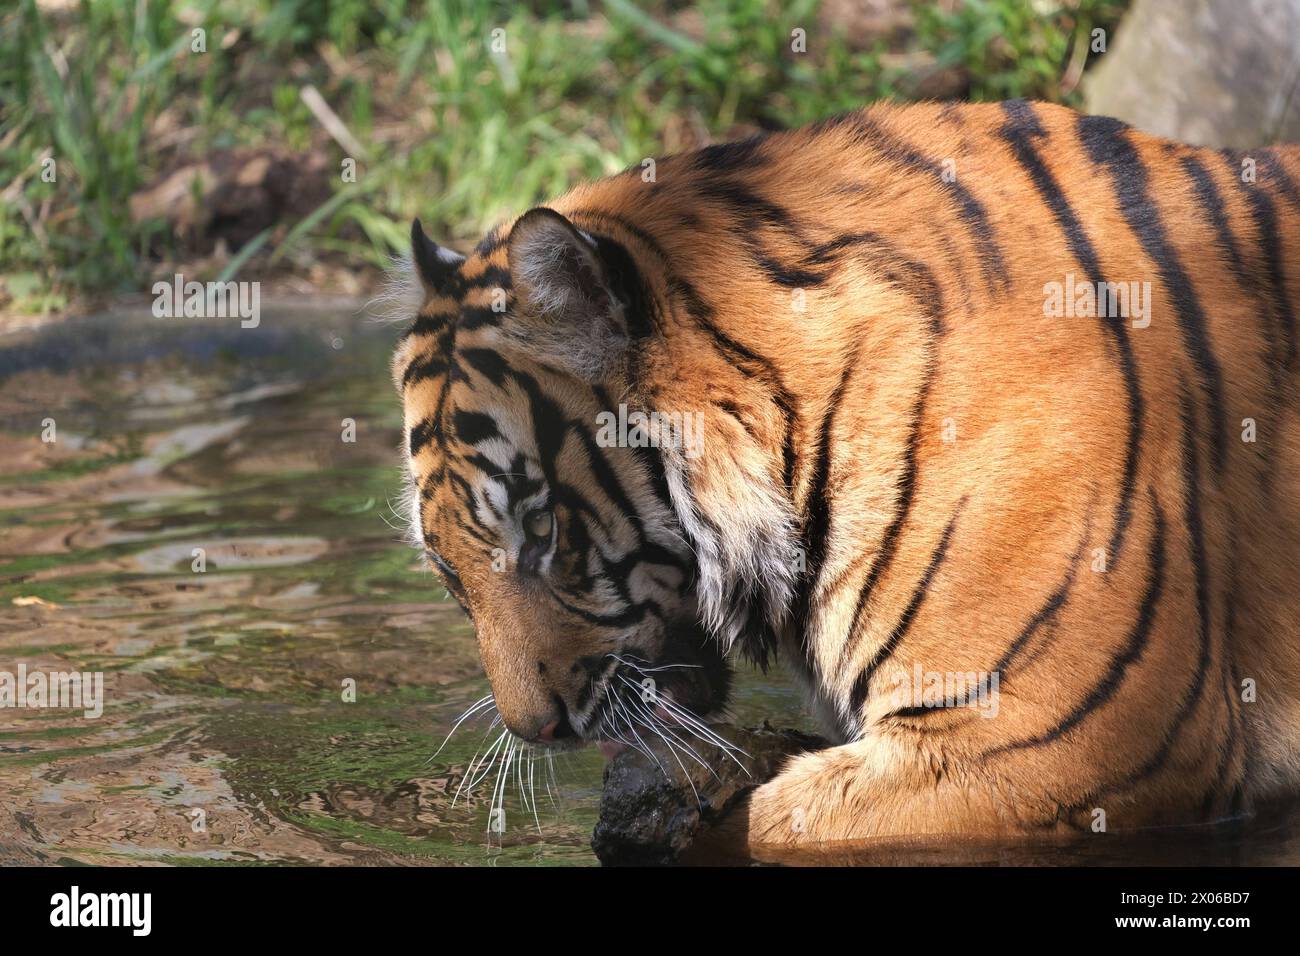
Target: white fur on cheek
(414,521)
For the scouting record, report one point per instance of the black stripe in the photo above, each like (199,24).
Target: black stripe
(485,540)
(817,506)
(469,496)
(473,427)
(639,310)
(1212,204)
(608,481)
(731,409)
(422,368)
(474,317)
(493,241)
(628,616)
(1219,780)
(628,286)
(1191,696)
(755,209)
(1273,313)
(1021,129)
(969,208)
(421,435)
(650,458)
(742,155)
(1107,144)
(1230,655)
(550,429)
(1264,214)
(492,277)
(748,362)
(1110,681)
(432,361)
(921,285)
(517,483)
(428,324)
(1275,173)
(911,275)
(752,214)
(487,362)
(862,685)
(428,485)
(884,554)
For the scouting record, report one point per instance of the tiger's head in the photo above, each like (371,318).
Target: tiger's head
(563,547)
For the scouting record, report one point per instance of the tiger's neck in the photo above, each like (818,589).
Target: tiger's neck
(778,374)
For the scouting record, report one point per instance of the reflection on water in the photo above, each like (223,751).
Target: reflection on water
(200,532)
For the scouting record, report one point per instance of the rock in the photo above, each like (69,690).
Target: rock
(650,812)
(1220,73)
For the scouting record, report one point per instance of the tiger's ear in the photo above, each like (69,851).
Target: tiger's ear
(433,264)
(567,310)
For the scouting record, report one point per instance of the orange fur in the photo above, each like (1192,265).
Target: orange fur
(953,462)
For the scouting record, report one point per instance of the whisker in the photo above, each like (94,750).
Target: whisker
(472,760)
(673,752)
(696,728)
(650,670)
(550,770)
(689,722)
(478,705)
(664,731)
(469,781)
(608,728)
(397,528)
(519,778)
(631,725)
(532,788)
(499,786)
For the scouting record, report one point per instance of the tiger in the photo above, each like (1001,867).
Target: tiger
(995,389)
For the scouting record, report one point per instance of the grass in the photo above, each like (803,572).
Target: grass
(467,111)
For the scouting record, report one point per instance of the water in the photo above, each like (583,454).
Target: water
(226,735)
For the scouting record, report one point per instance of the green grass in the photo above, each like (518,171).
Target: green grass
(455,132)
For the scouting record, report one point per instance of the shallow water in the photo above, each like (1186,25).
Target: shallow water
(226,734)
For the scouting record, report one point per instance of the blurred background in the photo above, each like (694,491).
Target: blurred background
(212,135)
(221,153)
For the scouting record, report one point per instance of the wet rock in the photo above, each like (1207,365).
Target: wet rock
(652,808)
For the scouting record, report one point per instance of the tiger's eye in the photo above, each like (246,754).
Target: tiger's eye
(538,524)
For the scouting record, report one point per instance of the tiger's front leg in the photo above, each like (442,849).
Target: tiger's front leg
(878,788)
